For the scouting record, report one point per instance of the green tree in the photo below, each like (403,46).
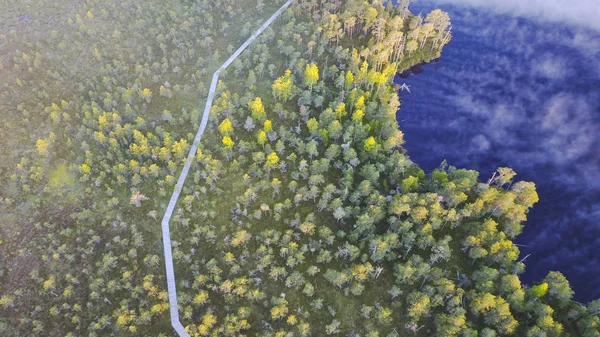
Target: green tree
(262,137)
(418,305)
(335,129)
(502,176)
(410,184)
(558,287)
(340,110)
(411,47)
(539,290)
(370,144)
(146,94)
(282,86)
(526,193)
(312,125)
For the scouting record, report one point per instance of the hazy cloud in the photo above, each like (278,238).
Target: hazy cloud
(570,129)
(577,12)
(509,91)
(481,142)
(500,118)
(551,66)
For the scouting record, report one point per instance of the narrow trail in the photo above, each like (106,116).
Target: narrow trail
(166,234)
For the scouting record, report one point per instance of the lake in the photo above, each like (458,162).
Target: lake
(510,91)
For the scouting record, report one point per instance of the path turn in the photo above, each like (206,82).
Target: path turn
(166,234)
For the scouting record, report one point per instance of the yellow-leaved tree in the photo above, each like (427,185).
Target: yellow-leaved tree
(257,109)
(225,127)
(282,86)
(311,75)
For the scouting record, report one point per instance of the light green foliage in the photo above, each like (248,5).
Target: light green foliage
(282,87)
(558,287)
(411,46)
(61,176)
(309,220)
(370,144)
(335,129)
(146,94)
(6,301)
(410,184)
(539,290)
(312,125)
(526,194)
(340,110)
(418,305)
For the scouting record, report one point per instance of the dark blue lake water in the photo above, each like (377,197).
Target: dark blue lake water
(514,92)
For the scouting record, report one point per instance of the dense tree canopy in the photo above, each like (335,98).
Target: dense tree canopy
(302,214)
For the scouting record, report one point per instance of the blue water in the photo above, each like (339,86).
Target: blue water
(513,92)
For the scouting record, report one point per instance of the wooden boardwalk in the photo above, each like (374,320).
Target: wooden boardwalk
(166,234)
